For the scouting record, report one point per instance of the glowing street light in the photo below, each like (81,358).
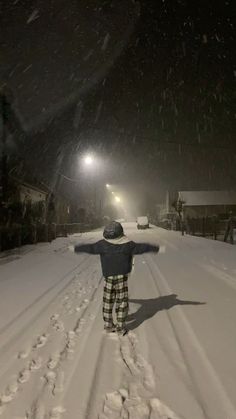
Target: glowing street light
(108,186)
(117,199)
(88,160)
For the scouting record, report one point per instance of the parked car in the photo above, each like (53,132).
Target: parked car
(168,220)
(142,222)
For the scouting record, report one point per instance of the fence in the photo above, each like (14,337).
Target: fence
(213,227)
(21,234)
(206,227)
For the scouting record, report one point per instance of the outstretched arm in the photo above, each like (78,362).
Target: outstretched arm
(144,248)
(92,248)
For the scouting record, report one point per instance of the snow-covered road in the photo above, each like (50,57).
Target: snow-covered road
(177,361)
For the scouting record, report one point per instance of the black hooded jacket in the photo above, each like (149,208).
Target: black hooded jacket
(116,258)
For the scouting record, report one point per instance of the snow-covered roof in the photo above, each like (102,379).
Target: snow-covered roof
(197,198)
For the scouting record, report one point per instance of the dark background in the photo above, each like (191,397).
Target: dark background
(148,86)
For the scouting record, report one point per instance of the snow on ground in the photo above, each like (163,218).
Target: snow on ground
(176,362)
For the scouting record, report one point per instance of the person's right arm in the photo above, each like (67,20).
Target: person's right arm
(91,248)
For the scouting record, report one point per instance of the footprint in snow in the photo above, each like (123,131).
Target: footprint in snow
(139,409)
(56,412)
(59,383)
(134,407)
(41,341)
(36,412)
(24,353)
(35,364)
(113,401)
(24,376)
(50,379)
(9,394)
(79,327)
(58,326)
(54,317)
(70,344)
(53,361)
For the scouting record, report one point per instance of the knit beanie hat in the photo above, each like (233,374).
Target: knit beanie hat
(113,230)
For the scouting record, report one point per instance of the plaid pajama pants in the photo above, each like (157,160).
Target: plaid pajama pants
(115,291)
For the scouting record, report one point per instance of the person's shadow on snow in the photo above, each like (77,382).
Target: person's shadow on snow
(148,308)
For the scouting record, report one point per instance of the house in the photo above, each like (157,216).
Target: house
(30,193)
(33,200)
(197,204)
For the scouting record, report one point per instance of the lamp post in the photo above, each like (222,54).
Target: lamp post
(90,163)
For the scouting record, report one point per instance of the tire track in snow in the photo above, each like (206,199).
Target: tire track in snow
(97,377)
(54,321)
(204,375)
(32,305)
(171,356)
(223,276)
(40,297)
(215,271)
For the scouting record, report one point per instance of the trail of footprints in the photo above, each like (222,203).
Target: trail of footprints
(137,400)
(54,375)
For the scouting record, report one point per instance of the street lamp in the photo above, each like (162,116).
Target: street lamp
(88,160)
(117,199)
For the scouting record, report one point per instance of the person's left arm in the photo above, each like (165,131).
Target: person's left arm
(91,248)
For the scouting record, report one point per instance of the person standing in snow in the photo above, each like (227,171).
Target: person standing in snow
(116,252)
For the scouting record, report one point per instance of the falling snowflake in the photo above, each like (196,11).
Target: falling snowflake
(105,42)
(34,15)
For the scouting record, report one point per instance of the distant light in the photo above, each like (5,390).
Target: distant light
(88,160)
(117,199)
(113,193)
(107,185)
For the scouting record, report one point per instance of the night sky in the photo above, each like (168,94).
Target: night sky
(175,106)
(149,87)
